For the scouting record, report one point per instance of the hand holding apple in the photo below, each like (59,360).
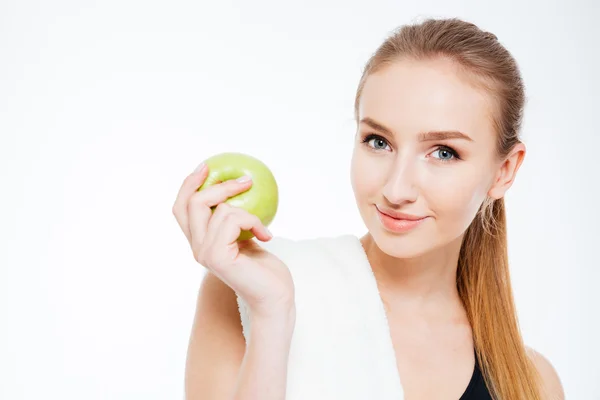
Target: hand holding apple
(261,199)
(213,210)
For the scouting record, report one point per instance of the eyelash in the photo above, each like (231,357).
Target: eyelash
(372,136)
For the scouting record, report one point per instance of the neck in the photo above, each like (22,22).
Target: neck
(420,284)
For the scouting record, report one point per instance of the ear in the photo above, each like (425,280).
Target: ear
(508,171)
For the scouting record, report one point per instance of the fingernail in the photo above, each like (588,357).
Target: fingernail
(268,231)
(243,179)
(200,167)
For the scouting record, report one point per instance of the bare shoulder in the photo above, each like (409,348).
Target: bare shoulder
(216,344)
(552,388)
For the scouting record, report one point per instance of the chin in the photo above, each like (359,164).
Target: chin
(401,246)
(421,241)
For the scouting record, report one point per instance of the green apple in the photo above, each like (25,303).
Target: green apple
(261,199)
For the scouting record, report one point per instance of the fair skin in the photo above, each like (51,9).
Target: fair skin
(408,168)
(415,271)
(220,364)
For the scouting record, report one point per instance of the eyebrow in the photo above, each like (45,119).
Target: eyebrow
(423,136)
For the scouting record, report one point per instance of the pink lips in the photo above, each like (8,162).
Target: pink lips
(398,222)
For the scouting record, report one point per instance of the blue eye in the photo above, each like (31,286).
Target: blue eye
(379,143)
(446,154)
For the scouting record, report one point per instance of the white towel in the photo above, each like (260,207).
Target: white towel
(341,348)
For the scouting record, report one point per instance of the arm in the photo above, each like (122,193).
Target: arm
(551,386)
(219,365)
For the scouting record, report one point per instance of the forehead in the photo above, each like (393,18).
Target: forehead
(415,96)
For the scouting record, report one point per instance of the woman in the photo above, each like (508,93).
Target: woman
(438,112)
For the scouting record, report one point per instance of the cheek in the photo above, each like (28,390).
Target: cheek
(457,197)
(363,176)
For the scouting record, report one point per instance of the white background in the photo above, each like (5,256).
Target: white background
(105,106)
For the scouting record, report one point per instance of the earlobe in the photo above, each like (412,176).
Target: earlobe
(507,172)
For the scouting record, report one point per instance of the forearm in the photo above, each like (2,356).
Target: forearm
(263,373)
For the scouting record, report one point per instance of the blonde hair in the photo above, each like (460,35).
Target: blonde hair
(483,278)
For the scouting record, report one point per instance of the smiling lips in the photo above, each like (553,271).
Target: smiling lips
(398,222)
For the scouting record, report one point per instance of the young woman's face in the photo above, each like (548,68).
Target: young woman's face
(425,146)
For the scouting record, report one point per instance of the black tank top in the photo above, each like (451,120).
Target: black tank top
(476,390)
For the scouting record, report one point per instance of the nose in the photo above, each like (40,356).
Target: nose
(401,184)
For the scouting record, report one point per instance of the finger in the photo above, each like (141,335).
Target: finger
(218,193)
(252,222)
(225,227)
(200,205)
(190,185)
